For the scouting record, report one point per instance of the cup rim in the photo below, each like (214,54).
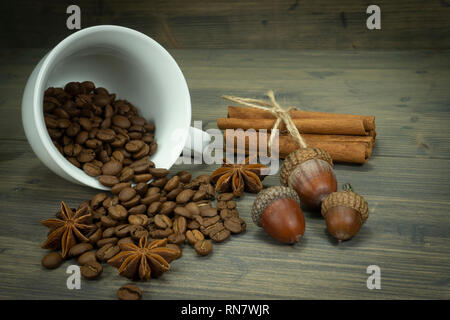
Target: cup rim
(53,152)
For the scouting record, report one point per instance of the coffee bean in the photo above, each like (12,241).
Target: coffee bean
(86,155)
(132,202)
(145,177)
(193,208)
(159,182)
(221,235)
(203,247)
(158,172)
(98,199)
(125,240)
(134,146)
(127,174)
(149,199)
(208,212)
(52,260)
(139,209)
(106,135)
(141,188)
(162,221)
(108,232)
(118,212)
(122,230)
(172,183)
(112,168)
(79,249)
(185,177)
(119,187)
(167,207)
(108,180)
(92,170)
(94,237)
(104,241)
(177,249)
(107,221)
(121,121)
(129,292)
(193,224)
(179,224)
(176,238)
(193,236)
(91,270)
(87,257)
(185,196)
(138,233)
(174,193)
(199,195)
(153,208)
(233,224)
(210,221)
(138,219)
(107,252)
(181,211)
(144,151)
(127,194)
(225,197)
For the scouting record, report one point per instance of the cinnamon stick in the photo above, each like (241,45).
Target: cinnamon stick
(344,126)
(349,149)
(253,113)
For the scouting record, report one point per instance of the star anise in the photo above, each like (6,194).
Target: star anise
(144,260)
(63,232)
(238,177)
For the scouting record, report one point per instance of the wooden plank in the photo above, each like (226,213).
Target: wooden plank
(267,24)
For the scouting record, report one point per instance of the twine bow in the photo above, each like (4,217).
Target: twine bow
(280,113)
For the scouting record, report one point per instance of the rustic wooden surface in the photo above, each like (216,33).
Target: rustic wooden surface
(239,24)
(406,183)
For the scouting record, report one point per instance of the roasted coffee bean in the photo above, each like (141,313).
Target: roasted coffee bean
(127,174)
(193,224)
(161,233)
(118,212)
(118,156)
(92,170)
(199,195)
(225,197)
(141,169)
(179,224)
(203,247)
(79,249)
(193,236)
(212,229)
(91,270)
(106,135)
(181,211)
(107,221)
(172,195)
(107,252)
(193,208)
(119,187)
(226,214)
(177,249)
(127,194)
(138,219)
(141,188)
(134,146)
(125,240)
(208,212)
(52,260)
(129,292)
(220,236)
(97,235)
(210,221)
(86,155)
(159,182)
(158,172)
(132,202)
(145,177)
(176,238)
(138,233)
(109,202)
(87,257)
(108,232)
(162,221)
(139,209)
(121,121)
(112,168)
(231,204)
(105,241)
(153,190)
(108,181)
(167,207)
(145,150)
(209,189)
(185,177)
(185,196)
(98,199)
(122,230)
(172,183)
(233,224)
(149,199)
(153,208)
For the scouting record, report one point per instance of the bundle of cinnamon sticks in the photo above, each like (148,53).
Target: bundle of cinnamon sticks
(347,138)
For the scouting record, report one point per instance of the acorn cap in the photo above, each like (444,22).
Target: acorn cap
(299,156)
(346,199)
(267,196)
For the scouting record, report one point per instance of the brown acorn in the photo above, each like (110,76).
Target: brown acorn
(277,210)
(344,212)
(309,171)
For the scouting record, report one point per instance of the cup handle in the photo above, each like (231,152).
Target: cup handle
(196,142)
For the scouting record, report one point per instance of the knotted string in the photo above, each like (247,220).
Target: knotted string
(280,113)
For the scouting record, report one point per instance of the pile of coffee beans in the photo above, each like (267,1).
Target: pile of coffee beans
(177,208)
(99,134)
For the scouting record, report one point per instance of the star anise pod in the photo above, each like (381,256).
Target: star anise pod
(143,260)
(238,177)
(63,232)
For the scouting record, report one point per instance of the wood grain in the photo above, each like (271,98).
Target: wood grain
(243,24)
(406,183)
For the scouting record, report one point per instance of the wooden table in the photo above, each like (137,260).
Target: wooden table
(406,183)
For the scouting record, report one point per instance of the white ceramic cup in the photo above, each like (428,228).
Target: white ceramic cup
(125,62)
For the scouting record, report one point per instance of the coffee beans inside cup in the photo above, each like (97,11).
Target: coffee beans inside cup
(98,133)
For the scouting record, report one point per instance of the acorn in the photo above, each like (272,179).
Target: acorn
(344,212)
(309,171)
(277,210)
